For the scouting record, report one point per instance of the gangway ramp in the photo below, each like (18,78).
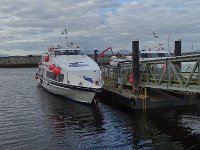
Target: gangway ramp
(181,73)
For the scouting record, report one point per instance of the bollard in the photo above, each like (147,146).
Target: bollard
(96,55)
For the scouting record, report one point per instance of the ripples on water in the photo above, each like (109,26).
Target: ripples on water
(32,118)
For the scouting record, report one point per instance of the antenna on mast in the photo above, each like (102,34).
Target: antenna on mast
(85,46)
(168,40)
(155,37)
(65,33)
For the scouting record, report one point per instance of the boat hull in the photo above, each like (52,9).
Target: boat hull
(84,96)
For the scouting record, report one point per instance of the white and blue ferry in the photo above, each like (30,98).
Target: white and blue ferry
(70,73)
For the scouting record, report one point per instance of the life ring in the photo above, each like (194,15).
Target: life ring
(131,78)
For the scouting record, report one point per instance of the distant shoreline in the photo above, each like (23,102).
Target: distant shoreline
(19,61)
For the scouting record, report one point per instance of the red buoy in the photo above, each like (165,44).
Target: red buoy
(51,66)
(131,78)
(56,71)
(163,67)
(46,59)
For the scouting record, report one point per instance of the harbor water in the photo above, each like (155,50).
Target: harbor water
(33,119)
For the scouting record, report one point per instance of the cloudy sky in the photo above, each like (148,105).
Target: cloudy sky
(30,26)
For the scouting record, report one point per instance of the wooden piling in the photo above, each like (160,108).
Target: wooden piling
(177,50)
(135,67)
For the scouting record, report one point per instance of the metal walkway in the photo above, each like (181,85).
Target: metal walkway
(181,73)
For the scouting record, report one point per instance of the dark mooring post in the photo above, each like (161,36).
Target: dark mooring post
(135,64)
(177,51)
(95,55)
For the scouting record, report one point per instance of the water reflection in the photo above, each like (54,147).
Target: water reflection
(170,123)
(104,127)
(71,122)
(190,123)
(32,118)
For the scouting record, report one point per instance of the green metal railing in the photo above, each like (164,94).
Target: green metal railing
(180,73)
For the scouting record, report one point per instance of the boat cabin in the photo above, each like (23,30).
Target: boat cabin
(155,54)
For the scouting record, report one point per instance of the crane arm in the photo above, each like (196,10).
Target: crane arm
(103,53)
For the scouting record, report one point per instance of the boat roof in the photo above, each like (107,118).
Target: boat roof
(68,46)
(76,62)
(63,49)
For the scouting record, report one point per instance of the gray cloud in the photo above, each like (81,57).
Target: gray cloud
(33,25)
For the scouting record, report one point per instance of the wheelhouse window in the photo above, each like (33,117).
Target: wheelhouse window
(163,55)
(149,55)
(154,55)
(52,76)
(68,52)
(144,55)
(60,77)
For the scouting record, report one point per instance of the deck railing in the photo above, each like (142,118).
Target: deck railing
(180,73)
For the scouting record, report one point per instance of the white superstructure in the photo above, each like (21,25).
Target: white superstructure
(153,54)
(68,72)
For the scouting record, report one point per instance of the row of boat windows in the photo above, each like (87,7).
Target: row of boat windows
(154,55)
(68,52)
(52,76)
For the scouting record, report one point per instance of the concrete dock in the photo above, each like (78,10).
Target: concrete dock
(123,98)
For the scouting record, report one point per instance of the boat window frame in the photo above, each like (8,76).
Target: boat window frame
(52,77)
(154,55)
(49,75)
(163,55)
(68,52)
